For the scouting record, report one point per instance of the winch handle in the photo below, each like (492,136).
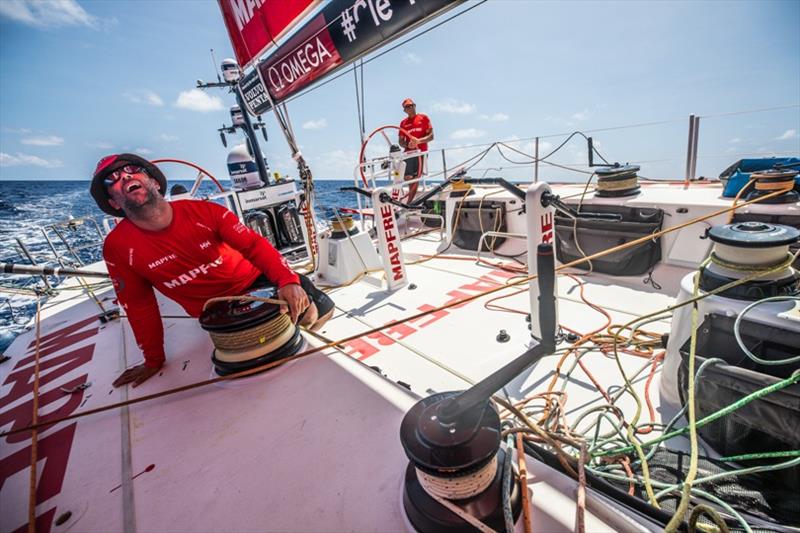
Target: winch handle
(510,187)
(358,190)
(479,393)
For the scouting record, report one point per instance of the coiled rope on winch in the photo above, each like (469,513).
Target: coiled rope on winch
(252,337)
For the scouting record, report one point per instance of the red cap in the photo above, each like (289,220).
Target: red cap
(408,101)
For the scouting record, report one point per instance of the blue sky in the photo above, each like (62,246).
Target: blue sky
(81,79)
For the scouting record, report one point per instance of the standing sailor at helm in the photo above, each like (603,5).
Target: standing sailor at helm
(190,251)
(419,133)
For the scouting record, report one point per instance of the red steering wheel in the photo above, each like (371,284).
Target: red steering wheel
(366,141)
(192,165)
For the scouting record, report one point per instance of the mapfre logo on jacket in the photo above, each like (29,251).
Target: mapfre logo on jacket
(187,277)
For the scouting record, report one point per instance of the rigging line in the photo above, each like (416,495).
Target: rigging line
(358,105)
(394,323)
(363,108)
(420,34)
(35,420)
(763,109)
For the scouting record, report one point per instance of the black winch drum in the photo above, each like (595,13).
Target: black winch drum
(617,182)
(247,334)
(342,226)
(768,181)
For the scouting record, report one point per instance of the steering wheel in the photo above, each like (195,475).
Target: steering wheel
(366,141)
(201,171)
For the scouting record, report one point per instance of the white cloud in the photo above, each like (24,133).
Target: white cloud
(19,160)
(451,105)
(580,115)
(197,100)
(143,151)
(735,140)
(47,13)
(44,140)
(339,163)
(788,134)
(467,133)
(315,124)
(495,117)
(100,144)
(143,96)
(167,138)
(17,130)
(410,58)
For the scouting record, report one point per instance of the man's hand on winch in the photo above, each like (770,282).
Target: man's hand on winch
(136,375)
(297,299)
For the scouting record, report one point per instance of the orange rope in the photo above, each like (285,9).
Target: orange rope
(523,485)
(650,409)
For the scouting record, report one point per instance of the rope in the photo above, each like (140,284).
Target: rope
(34,421)
(458,488)
(609,185)
(677,518)
(394,323)
(246,298)
(523,485)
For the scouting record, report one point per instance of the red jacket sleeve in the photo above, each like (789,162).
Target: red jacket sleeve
(253,247)
(137,298)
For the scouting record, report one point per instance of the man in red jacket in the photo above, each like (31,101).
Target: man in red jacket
(190,251)
(416,132)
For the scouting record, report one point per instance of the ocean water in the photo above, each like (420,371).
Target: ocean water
(27,206)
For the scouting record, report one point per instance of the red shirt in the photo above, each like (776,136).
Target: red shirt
(205,252)
(417,126)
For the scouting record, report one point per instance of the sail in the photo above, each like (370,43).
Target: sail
(340,33)
(256,25)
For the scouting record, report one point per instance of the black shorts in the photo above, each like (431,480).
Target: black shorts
(414,166)
(322,300)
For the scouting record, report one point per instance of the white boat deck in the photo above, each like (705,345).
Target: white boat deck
(314,444)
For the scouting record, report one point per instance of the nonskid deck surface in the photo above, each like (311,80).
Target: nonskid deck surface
(458,346)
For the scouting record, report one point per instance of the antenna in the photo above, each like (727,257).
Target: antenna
(214,64)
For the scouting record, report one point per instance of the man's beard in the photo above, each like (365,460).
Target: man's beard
(135,208)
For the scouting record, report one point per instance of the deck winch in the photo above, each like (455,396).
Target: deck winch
(747,338)
(457,467)
(746,247)
(249,332)
(342,226)
(767,181)
(457,460)
(617,181)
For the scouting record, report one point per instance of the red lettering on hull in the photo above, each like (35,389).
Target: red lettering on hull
(53,449)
